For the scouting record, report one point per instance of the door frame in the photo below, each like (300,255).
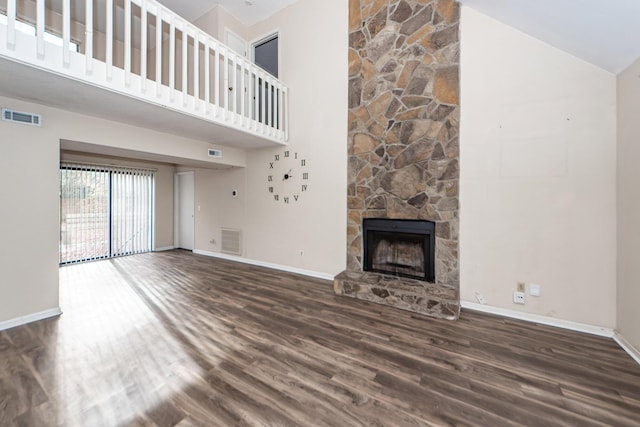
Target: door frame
(176,208)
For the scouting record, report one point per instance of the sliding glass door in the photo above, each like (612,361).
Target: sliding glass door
(84,214)
(104,212)
(131,196)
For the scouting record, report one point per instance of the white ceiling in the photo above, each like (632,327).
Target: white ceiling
(605,33)
(247,11)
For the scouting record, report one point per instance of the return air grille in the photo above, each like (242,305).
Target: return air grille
(20,117)
(215,153)
(231,241)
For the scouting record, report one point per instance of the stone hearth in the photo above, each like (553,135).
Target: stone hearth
(403,142)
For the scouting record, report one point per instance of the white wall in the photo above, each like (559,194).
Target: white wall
(28,220)
(215,206)
(538,175)
(629,204)
(217,20)
(313,64)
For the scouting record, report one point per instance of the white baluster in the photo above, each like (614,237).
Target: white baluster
(66,32)
(252,101)
(109,36)
(11,24)
(216,81)
(40,27)
(243,94)
(196,71)
(185,69)
(286,113)
(226,84)
(263,96)
(277,123)
(143,46)
(158,52)
(207,77)
(172,59)
(234,85)
(127,42)
(269,87)
(88,39)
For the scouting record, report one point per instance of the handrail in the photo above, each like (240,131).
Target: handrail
(181,67)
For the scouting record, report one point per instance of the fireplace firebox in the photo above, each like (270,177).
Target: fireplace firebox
(399,247)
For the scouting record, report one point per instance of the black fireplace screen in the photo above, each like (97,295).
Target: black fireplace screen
(399,247)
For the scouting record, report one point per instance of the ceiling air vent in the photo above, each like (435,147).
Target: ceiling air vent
(215,153)
(20,117)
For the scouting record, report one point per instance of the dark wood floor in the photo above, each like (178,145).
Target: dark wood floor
(173,338)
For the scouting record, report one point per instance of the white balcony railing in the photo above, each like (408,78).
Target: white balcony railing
(142,49)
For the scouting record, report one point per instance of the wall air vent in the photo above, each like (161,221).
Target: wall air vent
(20,117)
(215,153)
(230,241)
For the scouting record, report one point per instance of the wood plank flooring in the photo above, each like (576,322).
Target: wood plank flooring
(176,339)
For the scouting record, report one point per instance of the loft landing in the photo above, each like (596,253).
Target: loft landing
(137,62)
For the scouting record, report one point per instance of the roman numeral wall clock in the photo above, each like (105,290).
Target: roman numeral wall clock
(287,177)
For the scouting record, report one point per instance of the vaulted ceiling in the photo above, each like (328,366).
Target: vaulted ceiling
(247,11)
(605,33)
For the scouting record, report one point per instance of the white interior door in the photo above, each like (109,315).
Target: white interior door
(240,46)
(235,42)
(185,211)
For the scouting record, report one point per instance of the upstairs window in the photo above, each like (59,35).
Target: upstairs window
(265,54)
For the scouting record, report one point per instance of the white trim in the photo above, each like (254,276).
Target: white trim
(176,210)
(164,248)
(261,39)
(286,268)
(34,317)
(269,35)
(627,346)
(176,207)
(544,320)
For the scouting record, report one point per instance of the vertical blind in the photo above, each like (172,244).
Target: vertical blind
(104,212)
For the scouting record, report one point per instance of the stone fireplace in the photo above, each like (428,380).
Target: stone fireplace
(403,152)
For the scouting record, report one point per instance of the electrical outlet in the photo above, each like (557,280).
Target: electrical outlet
(534,290)
(480,298)
(520,287)
(518,297)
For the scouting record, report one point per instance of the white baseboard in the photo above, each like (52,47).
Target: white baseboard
(626,346)
(164,248)
(286,268)
(34,317)
(544,320)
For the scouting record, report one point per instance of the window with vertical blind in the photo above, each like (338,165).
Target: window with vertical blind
(104,212)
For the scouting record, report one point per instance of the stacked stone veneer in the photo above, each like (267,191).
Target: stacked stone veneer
(403,142)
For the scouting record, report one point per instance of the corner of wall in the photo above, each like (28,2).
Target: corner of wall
(628,204)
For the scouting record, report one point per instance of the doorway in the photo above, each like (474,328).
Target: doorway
(104,212)
(184,211)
